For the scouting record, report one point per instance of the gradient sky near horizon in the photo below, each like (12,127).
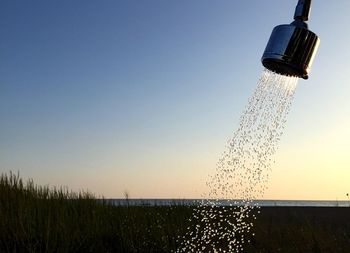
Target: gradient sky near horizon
(141,96)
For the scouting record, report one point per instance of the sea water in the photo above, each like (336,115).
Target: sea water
(228,203)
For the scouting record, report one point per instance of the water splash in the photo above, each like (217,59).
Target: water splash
(242,171)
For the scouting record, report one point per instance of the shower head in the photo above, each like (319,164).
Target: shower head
(291,48)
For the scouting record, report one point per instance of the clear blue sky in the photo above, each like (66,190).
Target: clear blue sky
(142,95)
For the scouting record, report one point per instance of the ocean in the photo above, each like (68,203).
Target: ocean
(191,202)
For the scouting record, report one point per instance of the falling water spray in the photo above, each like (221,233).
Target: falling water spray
(224,219)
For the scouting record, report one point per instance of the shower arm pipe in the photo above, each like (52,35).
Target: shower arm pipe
(302,10)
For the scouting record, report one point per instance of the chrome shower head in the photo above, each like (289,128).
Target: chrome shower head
(291,48)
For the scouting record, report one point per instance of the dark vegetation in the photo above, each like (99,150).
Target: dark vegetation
(43,219)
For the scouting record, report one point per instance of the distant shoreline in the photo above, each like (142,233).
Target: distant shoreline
(193,202)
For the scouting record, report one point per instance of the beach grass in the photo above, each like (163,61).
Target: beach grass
(41,219)
(46,219)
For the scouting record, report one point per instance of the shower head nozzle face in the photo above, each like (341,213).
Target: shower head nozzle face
(290,50)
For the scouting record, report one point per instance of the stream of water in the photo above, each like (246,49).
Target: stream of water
(242,171)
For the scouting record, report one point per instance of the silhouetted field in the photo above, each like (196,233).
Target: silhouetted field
(40,219)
